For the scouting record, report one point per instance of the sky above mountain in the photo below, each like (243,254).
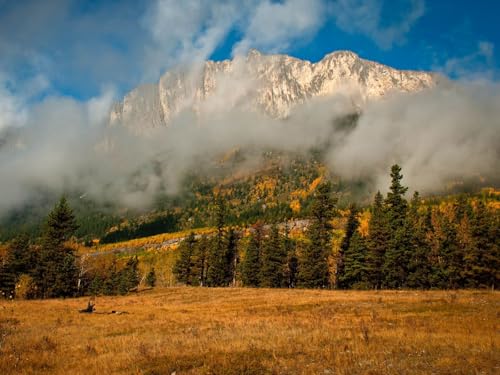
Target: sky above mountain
(81,49)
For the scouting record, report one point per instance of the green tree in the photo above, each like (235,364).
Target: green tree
(251,265)
(419,266)
(217,255)
(129,276)
(482,262)
(199,262)
(313,261)
(273,259)
(19,260)
(378,236)
(292,262)
(182,267)
(396,257)
(355,275)
(351,228)
(56,274)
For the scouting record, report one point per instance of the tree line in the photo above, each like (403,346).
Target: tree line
(406,245)
(51,268)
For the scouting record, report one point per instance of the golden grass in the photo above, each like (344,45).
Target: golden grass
(255,331)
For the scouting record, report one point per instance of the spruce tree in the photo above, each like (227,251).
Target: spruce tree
(419,266)
(199,262)
(378,236)
(231,258)
(55,276)
(482,263)
(313,262)
(217,266)
(19,260)
(292,261)
(351,228)
(396,257)
(182,267)
(273,259)
(355,272)
(251,265)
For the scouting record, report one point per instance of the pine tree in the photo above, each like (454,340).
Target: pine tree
(378,236)
(272,272)
(217,267)
(351,228)
(355,275)
(396,260)
(419,266)
(55,276)
(19,260)
(151,278)
(199,262)
(250,268)
(182,267)
(231,258)
(129,276)
(313,262)
(482,262)
(292,261)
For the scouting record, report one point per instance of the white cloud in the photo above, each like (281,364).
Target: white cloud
(477,65)
(365,17)
(274,26)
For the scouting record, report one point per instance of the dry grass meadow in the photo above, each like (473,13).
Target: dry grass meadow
(255,331)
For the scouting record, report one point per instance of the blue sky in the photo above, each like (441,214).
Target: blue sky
(80,48)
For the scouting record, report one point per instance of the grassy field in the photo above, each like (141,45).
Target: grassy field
(255,331)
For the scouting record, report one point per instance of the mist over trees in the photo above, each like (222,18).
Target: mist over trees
(406,245)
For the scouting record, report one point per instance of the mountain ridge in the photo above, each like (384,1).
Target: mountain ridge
(272,84)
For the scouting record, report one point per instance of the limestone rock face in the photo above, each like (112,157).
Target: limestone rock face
(272,84)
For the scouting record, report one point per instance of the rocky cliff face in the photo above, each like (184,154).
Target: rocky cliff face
(273,84)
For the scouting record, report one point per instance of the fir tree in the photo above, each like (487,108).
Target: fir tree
(419,267)
(182,267)
(231,258)
(313,262)
(272,272)
(396,257)
(129,276)
(199,262)
(351,228)
(250,269)
(217,266)
(55,276)
(482,263)
(19,260)
(355,275)
(292,261)
(378,236)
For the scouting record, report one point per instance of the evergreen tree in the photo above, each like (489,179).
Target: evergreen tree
(419,267)
(129,276)
(396,257)
(199,262)
(55,276)
(217,266)
(351,228)
(273,259)
(355,275)
(231,258)
(151,278)
(19,260)
(482,262)
(313,262)
(292,267)
(250,270)
(182,267)
(378,236)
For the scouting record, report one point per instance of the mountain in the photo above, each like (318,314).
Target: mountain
(272,84)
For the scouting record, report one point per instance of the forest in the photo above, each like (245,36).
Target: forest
(391,244)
